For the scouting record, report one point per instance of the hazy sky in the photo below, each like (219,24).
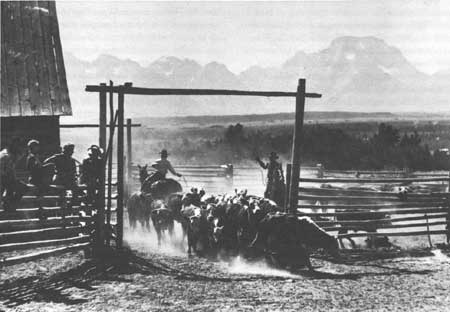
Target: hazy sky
(240,34)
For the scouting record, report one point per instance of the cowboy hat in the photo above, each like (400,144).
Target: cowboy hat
(273,155)
(93,148)
(164,153)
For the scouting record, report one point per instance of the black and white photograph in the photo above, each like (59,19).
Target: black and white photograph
(225,155)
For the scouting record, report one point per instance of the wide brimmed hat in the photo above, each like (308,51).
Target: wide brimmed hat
(69,147)
(94,149)
(273,155)
(164,153)
(32,143)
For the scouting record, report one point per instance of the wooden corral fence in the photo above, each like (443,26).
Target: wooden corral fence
(44,225)
(53,223)
(373,206)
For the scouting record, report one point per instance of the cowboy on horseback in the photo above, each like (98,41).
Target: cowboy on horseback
(275,178)
(162,166)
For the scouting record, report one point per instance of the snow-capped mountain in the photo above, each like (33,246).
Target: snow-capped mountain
(353,74)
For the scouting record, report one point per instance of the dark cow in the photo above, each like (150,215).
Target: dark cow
(199,230)
(286,238)
(162,219)
(139,207)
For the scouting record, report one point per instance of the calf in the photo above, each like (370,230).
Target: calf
(162,219)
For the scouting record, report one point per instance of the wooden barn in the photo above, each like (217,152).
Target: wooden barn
(34,91)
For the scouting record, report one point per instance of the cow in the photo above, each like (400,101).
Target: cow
(139,207)
(162,219)
(286,238)
(199,230)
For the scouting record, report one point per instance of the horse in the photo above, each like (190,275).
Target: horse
(159,189)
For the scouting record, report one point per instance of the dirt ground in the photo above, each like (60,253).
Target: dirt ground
(165,279)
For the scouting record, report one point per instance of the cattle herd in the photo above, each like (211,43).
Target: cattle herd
(232,224)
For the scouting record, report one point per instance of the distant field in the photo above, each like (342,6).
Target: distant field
(186,134)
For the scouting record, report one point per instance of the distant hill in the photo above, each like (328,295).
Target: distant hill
(353,74)
(225,120)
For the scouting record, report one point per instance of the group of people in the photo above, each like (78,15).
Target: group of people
(59,169)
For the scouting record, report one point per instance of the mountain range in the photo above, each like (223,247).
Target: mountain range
(361,74)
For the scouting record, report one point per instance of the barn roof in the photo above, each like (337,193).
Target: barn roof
(33,77)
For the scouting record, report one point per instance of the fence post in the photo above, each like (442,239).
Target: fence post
(288,183)
(110,159)
(296,145)
(129,159)
(120,169)
(448,211)
(100,199)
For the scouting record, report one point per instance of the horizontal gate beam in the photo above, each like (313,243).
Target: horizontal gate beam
(167,91)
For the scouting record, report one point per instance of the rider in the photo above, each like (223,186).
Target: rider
(162,166)
(274,176)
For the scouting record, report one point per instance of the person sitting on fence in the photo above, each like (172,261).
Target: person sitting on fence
(275,179)
(65,169)
(11,189)
(40,174)
(162,166)
(91,171)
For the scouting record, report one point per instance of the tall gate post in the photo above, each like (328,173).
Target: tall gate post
(120,167)
(100,200)
(129,159)
(296,145)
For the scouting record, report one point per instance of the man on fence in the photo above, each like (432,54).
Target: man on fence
(275,179)
(91,170)
(11,189)
(40,174)
(65,169)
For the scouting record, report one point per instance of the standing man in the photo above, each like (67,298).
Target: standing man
(91,170)
(275,179)
(40,174)
(11,189)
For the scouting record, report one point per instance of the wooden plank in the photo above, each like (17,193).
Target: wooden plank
(413,233)
(347,192)
(375,206)
(369,198)
(11,55)
(50,59)
(92,126)
(404,181)
(40,103)
(42,254)
(380,225)
(392,220)
(30,67)
(33,213)
(170,91)
(44,243)
(390,211)
(4,106)
(40,234)
(33,224)
(64,106)
(21,72)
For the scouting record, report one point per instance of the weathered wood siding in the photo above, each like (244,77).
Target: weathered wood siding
(33,78)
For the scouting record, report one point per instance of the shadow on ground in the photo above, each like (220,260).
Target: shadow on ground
(112,267)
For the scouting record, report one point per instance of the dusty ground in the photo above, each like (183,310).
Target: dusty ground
(170,281)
